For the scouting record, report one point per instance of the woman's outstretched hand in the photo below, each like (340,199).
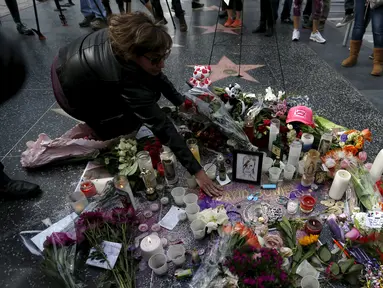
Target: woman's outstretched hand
(207,185)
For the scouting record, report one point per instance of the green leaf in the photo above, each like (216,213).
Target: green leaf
(298,254)
(324,253)
(286,229)
(355,268)
(345,265)
(335,269)
(353,279)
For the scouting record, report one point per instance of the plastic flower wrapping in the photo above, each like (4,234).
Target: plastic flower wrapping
(353,140)
(210,106)
(214,217)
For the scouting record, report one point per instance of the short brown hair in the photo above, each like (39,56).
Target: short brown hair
(135,34)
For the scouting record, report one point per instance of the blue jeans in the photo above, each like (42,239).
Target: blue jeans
(89,8)
(362,19)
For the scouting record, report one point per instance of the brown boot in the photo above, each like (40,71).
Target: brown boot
(378,60)
(183,25)
(354,53)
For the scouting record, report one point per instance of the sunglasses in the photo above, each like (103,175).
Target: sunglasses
(157,60)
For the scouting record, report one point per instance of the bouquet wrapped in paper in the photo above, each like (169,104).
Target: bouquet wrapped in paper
(206,103)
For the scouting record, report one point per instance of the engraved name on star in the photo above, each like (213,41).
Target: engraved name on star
(227,68)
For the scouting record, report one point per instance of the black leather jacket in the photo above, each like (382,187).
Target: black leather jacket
(98,84)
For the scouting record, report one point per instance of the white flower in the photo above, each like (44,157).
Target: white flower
(107,161)
(341,144)
(217,215)
(330,163)
(289,126)
(122,153)
(270,95)
(286,252)
(280,94)
(122,160)
(211,226)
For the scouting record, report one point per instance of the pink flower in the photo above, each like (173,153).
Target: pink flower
(368,166)
(60,239)
(362,156)
(345,163)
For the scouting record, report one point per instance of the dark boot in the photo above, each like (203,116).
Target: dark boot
(183,25)
(261,28)
(269,31)
(24,30)
(86,22)
(196,5)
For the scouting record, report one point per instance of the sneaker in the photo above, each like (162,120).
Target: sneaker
(236,24)
(287,21)
(228,22)
(196,5)
(98,24)
(86,22)
(347,19)
(317,37)
(296,35)
(24,30)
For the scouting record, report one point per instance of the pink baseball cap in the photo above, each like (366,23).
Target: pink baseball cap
(301,114)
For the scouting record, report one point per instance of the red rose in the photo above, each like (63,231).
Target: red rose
(266,122)
(188,104)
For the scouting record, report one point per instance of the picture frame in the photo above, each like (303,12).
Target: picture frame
(247,167)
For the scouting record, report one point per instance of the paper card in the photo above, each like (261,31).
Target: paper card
(170,220)
(59,226)
(111,250)
(374,219)
(144,132)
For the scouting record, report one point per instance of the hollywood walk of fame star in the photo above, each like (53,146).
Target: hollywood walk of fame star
(220,28)
(226,68)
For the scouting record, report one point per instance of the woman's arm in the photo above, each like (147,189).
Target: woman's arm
(170,92)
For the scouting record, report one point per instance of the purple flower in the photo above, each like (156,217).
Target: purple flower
(60,239)
(362,156)
(343,138)
(250,281)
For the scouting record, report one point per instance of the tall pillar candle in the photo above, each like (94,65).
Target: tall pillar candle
(274,131)
(307,140)
(377,167)
(294,153)
(340,184)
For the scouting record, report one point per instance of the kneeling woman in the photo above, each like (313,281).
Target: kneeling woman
(112,79)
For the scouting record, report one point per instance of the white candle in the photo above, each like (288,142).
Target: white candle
(377,167)
(150,246)
(308,140)
(340,184)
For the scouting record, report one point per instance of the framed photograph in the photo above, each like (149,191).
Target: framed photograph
(247,167)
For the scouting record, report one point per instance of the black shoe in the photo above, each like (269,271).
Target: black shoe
(98,24)
(86,22)
(259,29)
(269,32)
(287,21)
(23,30)
(17,189)
(196,5)
(183,25)
(222,14)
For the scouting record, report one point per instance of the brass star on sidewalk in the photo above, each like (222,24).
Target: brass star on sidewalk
(220,28)
(226,68)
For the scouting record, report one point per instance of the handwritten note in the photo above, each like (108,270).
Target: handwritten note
(111,251)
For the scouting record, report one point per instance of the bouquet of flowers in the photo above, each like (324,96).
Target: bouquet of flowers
(59,257)
(210,106)
(353,140)
(121,158)
(258,267)
(214,217)
(342,158)
(115,226)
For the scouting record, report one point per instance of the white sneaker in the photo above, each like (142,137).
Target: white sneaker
(296,35)
(317,37)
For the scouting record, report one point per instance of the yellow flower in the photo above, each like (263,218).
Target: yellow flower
(308,240)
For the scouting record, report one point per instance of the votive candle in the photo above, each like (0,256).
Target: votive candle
(88,188)
(307,203)
(150,246)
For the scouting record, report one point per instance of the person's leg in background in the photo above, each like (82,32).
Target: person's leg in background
(275,8)
(87,12)
(196,4)
(316,36)
(223,12)
(230,15)
(271,18)
(324,15)
(362,18)
(307,21)
(262,23)
(297,18)
(180,14)
(99,12)
(286,12)
(158,12)
(377,33)
(14,10)
(238,11)
(349,13)
(108,10)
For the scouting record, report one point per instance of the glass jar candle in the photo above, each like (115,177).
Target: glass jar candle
(88,188)
(310,168)
(307,140)
(168,161)
(193,146)
(313,226)
(249,128)
(145,162)
(325,143)
(292,207)
(307,203)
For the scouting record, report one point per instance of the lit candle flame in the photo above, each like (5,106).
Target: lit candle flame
(121,186)
(149,240)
